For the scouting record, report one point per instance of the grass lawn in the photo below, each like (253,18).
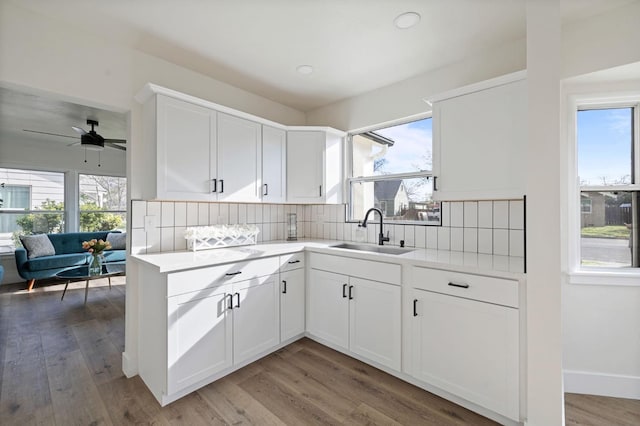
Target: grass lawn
(617,231)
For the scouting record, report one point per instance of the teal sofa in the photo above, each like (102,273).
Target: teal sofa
(69,254)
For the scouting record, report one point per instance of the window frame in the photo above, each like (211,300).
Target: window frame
(392,176)
(576,272)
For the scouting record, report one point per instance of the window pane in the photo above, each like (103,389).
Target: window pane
(31,202)
(609,229)
(399,200)
(405,148)
(605,146)
(103,203)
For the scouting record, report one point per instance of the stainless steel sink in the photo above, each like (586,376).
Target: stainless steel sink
(373,248)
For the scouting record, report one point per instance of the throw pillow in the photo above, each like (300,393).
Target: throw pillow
(37,245)
(118,240)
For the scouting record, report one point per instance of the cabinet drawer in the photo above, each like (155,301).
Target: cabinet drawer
(375,271)
(213,276)
(477,287)
(289,262)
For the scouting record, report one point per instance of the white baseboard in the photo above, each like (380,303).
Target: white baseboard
(129,367)
(615,385)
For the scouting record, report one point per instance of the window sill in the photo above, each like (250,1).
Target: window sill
(618,277)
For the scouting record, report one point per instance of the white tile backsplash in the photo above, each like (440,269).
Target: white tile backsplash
(516,214)
(485,214)
(457,214)
(501,214)
(470,214)
(483,227)
(501,242)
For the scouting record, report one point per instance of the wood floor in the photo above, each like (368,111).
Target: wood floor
(60,364)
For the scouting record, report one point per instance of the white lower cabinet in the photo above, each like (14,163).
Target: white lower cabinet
(200,339)
(292,299)
(467,347)
(360,315)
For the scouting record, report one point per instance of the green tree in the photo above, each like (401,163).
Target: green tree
(91,220)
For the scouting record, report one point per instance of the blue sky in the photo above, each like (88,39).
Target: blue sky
(604,145)
(412,150)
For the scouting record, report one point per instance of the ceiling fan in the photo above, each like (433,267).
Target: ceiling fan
(90,140)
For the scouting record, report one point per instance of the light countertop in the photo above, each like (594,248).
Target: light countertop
(504,266)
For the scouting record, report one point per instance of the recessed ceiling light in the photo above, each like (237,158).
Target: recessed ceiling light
(304,69)
(406,20)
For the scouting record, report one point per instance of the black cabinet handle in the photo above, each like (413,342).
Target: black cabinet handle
(415,307)
(321,190)
(344,290)
(215,185)
(266,189)
(284,287)
(230,305)
(459,285)
(293,261)
(221,186)
(350,294)
(435,180)
(230,274)
(238,304)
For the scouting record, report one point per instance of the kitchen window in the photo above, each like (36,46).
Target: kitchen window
(391,169)
(608,169)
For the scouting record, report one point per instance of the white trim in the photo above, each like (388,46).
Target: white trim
(628,277)
(614,385)
(477,87)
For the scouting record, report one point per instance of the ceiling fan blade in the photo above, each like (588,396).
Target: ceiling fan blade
(79,130)
(112,145)
(50,134)
(115,140)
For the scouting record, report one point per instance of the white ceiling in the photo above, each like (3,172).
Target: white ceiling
(257,45)
(352,44)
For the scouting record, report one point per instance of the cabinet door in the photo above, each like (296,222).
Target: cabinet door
(374,321)
(239,159)
(256,317)
(468,348)
(185,156)
(328,307)
(480,143)
(305,166)
(291,304)
(274,164)
(199,337)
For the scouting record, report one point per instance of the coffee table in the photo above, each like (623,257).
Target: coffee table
(82,273)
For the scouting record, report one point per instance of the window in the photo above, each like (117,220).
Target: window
(103,202)
(391,169)
(608,170)
(31,202)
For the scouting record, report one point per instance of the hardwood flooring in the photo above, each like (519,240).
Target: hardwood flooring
(60,364)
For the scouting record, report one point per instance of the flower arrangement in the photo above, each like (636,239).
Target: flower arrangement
(96,247)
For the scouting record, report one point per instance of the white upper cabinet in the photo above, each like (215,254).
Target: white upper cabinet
(239,159)
(274,164)
(480,141)
(186,160)
(314,166)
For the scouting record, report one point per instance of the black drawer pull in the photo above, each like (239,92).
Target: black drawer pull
(415,307)
(459,285)
(215,185)
(237,294)
(350,292)
(230,274)
(221,186)
(284,287)
(266,189)
(344,290)
(293,261)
